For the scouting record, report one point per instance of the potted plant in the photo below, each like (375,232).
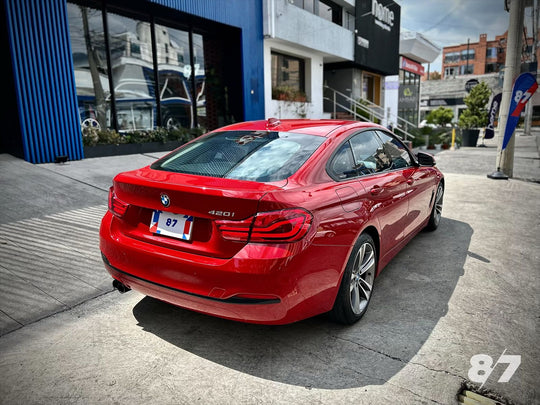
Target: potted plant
(440,120)
(441,116)
(476,115)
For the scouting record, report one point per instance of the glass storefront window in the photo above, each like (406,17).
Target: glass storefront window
(90,65)
(174,73)
(200,79)
(132,72)
(118,89)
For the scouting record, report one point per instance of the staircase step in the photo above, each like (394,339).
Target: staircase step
(344,116)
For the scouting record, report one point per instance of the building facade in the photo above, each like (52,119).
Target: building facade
(127,66)
(467,64)
(312,46)
(483,57)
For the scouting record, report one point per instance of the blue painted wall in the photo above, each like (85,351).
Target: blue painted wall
(43,68)
(44,80)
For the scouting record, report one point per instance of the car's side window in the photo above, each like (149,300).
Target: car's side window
(342,164)
(369,154)
(397,151)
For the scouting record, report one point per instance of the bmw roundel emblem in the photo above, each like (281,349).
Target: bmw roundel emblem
(165,200)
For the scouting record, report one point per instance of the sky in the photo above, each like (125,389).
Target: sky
(452,22)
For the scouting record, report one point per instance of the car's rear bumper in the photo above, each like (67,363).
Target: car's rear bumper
(271,284)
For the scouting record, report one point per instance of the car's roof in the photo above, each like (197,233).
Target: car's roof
(322,127)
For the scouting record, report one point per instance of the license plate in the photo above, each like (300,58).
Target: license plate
(169,224)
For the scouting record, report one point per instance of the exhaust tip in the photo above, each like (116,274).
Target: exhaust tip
(121,287)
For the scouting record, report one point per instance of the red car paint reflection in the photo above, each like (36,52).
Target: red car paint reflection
(290,219)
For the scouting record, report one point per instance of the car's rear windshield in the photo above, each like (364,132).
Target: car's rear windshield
(244,155)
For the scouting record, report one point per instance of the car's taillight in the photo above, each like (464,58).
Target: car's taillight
(235,230)
(288,225)
(116,206)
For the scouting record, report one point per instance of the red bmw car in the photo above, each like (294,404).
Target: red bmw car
(270,221)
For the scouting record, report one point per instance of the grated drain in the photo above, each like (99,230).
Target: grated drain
(468,396)
(472,398)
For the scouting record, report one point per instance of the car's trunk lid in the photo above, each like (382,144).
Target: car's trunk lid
(200,198)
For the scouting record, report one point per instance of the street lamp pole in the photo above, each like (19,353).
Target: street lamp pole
(505,158)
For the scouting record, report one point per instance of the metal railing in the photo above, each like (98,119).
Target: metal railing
(362,110)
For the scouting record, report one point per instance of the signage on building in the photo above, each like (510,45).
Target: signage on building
(411,66)
(408,96)
(470,84)
(362,42)
(377,36)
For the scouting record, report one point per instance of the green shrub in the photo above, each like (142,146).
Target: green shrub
(476,114)
(93,136)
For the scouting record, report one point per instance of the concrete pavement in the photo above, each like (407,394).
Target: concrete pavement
(49,222)
(469,288)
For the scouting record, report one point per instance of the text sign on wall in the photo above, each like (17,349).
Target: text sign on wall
(411,66)
(377,36)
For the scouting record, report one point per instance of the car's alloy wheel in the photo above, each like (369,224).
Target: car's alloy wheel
(436,212)
(357,284)
(362,277)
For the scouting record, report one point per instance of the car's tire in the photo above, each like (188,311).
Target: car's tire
(436,211)
(356,286)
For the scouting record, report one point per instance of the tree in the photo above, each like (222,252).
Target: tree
(476,114)
(435,76)
(441,116)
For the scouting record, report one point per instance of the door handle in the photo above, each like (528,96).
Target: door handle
(410,181)
(376,190)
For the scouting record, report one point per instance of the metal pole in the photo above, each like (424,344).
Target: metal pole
(505,158)
(334,105)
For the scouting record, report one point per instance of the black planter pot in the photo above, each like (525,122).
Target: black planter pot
(102,150)
(469,137)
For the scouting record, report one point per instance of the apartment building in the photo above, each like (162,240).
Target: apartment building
(311,46)
(483,57)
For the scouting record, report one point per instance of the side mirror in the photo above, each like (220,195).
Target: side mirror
(425,159)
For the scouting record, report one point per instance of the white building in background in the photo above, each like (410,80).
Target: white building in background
(322,56)
(300,38)
(310,44)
